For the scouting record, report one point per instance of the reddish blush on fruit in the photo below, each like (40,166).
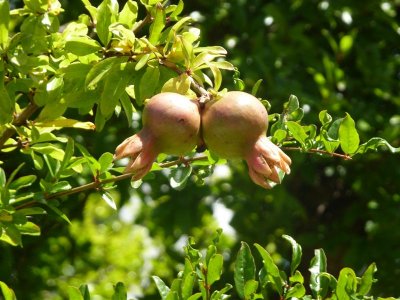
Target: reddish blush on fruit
(235,126)
(171,125)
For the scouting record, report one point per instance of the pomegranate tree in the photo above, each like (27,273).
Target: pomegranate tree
(171,125)
(235,126)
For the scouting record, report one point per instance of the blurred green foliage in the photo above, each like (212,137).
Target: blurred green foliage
(340,56)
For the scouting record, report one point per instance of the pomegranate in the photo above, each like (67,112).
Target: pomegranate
(235,126)
(171,125)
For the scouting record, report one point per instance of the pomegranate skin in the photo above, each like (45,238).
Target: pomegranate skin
(231,125)
(235,126)
(171,125)
(174,122)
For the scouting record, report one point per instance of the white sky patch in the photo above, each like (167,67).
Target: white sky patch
(197,16)
(129,212)
(223,215)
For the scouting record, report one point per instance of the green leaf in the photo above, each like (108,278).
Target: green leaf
(179,84)
(29,228)
(273,275)
(292,105)
(58,212)
(74,293)
(348,135)
(296,277)
(318,265)
(22,182)
(114,86)
(68,153)
(163,289)
(367,280)
(6,104)
(298,132)
(179,177)
(374,144)
(7,292)
(85,291)
(157,24)
(214,268)
(4,23)
(221,294)
(256,86)
(105,161)
(324,117)
(106,15)
(250,288)
(101,69)
(347,284)
(3,178)
(11,235)
(178,9)
(296,253)
(128,14)
(82,45)
(244,270)
(187,284)
(119,292)
(296,291)
(146,87)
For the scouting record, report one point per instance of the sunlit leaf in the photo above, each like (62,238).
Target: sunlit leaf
(346,284)
(157,24)
(4,23)
(348,135)
(298,132)
(163,289)
(7,292)
(63,122)
(128,14)
(101,69)
(22,182)
(105,161)
(106,15)
(214,268)
(367,279)
(147,84)
(29,228)
(82,45)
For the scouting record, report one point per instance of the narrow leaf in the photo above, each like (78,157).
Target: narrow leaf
(128,14)
(318,265)
(157,25)
(7,292)
(107,197)
(296,253)
(256,86)
(100,70)
(163,289)
(347,284)
(4,23)
(273,275)
(244,269)
(106,15)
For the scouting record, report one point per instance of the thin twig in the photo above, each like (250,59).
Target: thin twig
(344,156)
(19,120)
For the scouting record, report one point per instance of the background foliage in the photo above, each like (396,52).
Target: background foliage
(339,56)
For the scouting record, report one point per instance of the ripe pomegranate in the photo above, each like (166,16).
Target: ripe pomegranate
(235,126)
(171,125)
